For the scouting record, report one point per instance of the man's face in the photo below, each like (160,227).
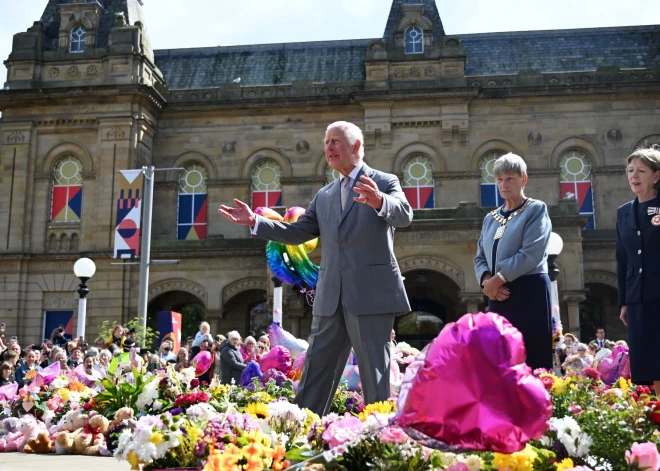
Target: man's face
(167,346)
(76,355)
(600,334)
(339,153)
(100,344)
(204,346)
(15,347)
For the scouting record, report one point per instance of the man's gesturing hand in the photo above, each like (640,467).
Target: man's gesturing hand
(241,214)
(369,193)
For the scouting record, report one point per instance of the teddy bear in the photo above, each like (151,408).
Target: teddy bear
(41,444)
(84,441)
(30,428)
(10,434)
(125,413)
(72,421)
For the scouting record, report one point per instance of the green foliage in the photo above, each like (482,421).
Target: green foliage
(118,393)
(371,453)
(346,401)
(145,337)
(191,316)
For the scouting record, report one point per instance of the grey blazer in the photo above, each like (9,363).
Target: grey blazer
(358,263)
(522,250)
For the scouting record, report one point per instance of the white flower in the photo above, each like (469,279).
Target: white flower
(202,411)
(58,383)
(448,459)
(157,405)
(147,396)
(473,462)
(376,421)
(546,441)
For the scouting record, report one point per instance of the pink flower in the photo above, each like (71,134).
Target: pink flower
(645,455)
(574,409)
(392,435)
(343,431)
(458,467)
(580,468)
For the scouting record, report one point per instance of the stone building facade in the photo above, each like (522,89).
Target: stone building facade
(87,96)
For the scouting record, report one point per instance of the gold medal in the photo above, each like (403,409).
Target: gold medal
(655,220)
(503,221)
(499,233)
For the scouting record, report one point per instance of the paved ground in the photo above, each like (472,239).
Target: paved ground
(24,462)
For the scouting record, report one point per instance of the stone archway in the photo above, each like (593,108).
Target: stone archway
(600,308)
(182,296)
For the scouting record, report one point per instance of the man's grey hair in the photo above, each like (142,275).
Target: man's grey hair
(352,132)
(508,164)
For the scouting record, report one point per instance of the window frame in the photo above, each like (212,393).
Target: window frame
(589,178)
(55,185)
(411,41)
(278,176)
(80,40)
(417,187)
(495,154)
(189,167)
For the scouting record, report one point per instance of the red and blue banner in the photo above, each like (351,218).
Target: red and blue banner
(490,196)
(419,197)
(54,318)
(192,219)
(169,327)
(129,215)
(583,193)
(266,199)
(67,203)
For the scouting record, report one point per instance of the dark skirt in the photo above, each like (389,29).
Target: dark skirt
(529,309)
(643,341)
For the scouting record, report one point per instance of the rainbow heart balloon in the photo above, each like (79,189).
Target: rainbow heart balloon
(290,263)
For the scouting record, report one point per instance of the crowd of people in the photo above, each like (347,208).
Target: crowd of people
(229,354)
(574,356)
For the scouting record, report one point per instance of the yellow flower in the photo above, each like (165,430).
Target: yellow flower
(624,384)
(560,385)
(520,461)
(257,410)
(565,464)
(134,461)
(385,407)
(157,438)
(63,393)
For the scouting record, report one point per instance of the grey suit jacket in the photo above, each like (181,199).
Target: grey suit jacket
(522,250)
(358,263)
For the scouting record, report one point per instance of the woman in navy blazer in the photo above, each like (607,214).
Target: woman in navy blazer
(638,265)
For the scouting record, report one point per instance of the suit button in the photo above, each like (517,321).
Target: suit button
(639,232)
(640,270)
(639,252)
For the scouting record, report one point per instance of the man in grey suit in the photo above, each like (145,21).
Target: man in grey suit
(360,288)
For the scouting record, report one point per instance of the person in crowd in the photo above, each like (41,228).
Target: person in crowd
(20,355)
(75,358)
(220,338)
(117,337)
(165,353)
(45,355)
(232,364)
(189,342)
(6,374)
(99,343)
(600,337)
(30,364)
(105,357)
(621,343)
(88,363)
(70,346)
(204,346)
(248,350)
(638,259)
(264,342)
(203,333)
(567,349)
(182,359)
(128,344)
(356,217)
(217,359)
(114,349)
(60,356)
(584,355)
(511,261)
(59,336)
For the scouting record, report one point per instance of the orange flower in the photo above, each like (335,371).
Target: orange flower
(77,386)
(30,375)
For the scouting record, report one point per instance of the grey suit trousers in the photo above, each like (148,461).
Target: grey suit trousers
(329,348)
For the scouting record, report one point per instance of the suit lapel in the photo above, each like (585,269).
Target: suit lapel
(351,201)
(335,197)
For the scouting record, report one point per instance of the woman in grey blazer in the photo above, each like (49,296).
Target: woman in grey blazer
(511,262)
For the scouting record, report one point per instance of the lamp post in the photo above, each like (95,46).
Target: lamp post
(277,301)
(555,246)
(84,269)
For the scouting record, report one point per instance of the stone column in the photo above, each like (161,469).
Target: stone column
(472,301)
(213,317)
(573,300)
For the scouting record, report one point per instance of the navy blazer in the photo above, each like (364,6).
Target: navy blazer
(637,256)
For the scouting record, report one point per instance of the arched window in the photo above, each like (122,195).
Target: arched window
(490,195)
(331,174)
(266,186)
(414,40)
(192,203)
(78,39)
(66,202)
(418,182)
(576,182)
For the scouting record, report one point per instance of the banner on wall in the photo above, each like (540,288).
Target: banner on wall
(169,327)
(129,209)
(54,318)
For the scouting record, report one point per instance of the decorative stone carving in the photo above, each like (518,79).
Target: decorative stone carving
(15,137)
(573,297)
(424,237)
(229,148)
(601,277)
(54,73)
(415,73)
(442,266)
(430,71)
(115,134)
(598,254)
(569,80)
(614,135)
(282,92)
(535,138)
(72,72)
(92,71)
(554,80)
(59,301)
(507,83)
(239,286)
(399,73)
(266,93)
(178,285)
(302,147)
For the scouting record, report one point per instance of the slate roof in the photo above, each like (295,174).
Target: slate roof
(430,12)
(51,19)
(342,61)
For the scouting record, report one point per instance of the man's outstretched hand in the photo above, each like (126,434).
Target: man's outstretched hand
(241,214)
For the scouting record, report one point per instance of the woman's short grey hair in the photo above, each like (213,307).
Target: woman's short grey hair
(649,156)
(352,132)
(508,164)
(105,353)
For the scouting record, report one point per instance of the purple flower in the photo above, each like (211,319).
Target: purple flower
(176,411)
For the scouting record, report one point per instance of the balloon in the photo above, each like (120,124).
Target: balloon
(351,375)
(9,391)
(252,370)
(279,336)
(474,389)
(290,263)
(278,358)
(616,365)
(299,362)
(202,362)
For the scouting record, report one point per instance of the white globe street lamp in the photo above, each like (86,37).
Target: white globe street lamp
(555,246)
(83,269)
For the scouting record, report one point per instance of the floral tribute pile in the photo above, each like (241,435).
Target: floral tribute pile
(168,419)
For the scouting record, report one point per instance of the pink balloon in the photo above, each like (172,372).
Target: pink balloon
(278,358)
(279,336)
(202,362)
(299,362)
(616,365)
(474,389)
